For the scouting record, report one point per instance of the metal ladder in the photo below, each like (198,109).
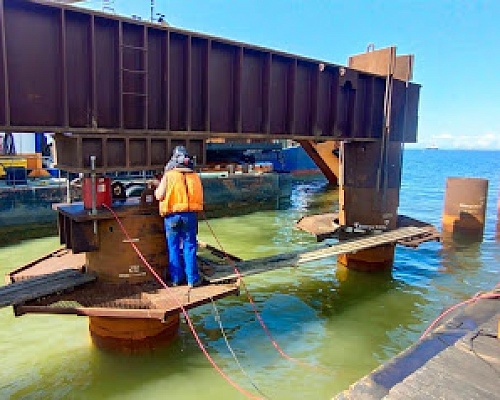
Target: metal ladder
(128,74)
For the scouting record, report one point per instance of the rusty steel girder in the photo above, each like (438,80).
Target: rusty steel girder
(126,90)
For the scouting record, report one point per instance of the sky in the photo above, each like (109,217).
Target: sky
(456,44)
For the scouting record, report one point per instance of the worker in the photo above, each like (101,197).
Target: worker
(180,193)
(9,145)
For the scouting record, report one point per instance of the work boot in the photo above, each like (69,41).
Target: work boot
(198,283)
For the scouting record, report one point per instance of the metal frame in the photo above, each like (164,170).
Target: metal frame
(75,71)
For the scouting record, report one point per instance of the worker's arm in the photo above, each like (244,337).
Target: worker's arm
(161,189)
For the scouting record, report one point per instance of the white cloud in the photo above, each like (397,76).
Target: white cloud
(444,136)
(481,141)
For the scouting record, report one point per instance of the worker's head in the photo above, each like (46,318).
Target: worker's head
(180,158)
(179,151)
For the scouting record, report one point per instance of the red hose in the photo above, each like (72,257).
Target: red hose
(254,307)
(184,312)
(452,308)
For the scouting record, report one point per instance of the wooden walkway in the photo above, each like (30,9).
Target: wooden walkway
(259,265)
(36,287)
(459,360)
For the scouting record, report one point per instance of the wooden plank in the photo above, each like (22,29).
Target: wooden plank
(225,272)
(33,288)
(264,264)
(42,286)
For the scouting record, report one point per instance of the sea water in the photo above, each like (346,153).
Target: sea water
(346,323)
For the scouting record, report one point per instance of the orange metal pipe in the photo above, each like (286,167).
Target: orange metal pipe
(132,335)
(116,262)
(370,260)
(364,200)
(465,207)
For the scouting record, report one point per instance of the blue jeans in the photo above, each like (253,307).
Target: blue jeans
(181,227)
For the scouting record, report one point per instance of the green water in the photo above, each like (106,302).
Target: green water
(348,323)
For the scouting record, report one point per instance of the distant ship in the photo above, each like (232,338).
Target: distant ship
(431,147)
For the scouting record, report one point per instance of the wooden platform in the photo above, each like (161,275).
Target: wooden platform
(56,284)
(264,264)
(459,360)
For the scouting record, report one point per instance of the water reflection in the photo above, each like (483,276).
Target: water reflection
(348,321)
(460,252)
(313,194)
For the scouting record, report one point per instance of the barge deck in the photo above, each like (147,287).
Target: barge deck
(458,359)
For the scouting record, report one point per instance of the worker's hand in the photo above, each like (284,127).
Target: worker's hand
(152,183)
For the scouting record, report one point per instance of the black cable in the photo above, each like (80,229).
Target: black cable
(471,348)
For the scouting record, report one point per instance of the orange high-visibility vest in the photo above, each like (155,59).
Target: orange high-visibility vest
(184,193)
